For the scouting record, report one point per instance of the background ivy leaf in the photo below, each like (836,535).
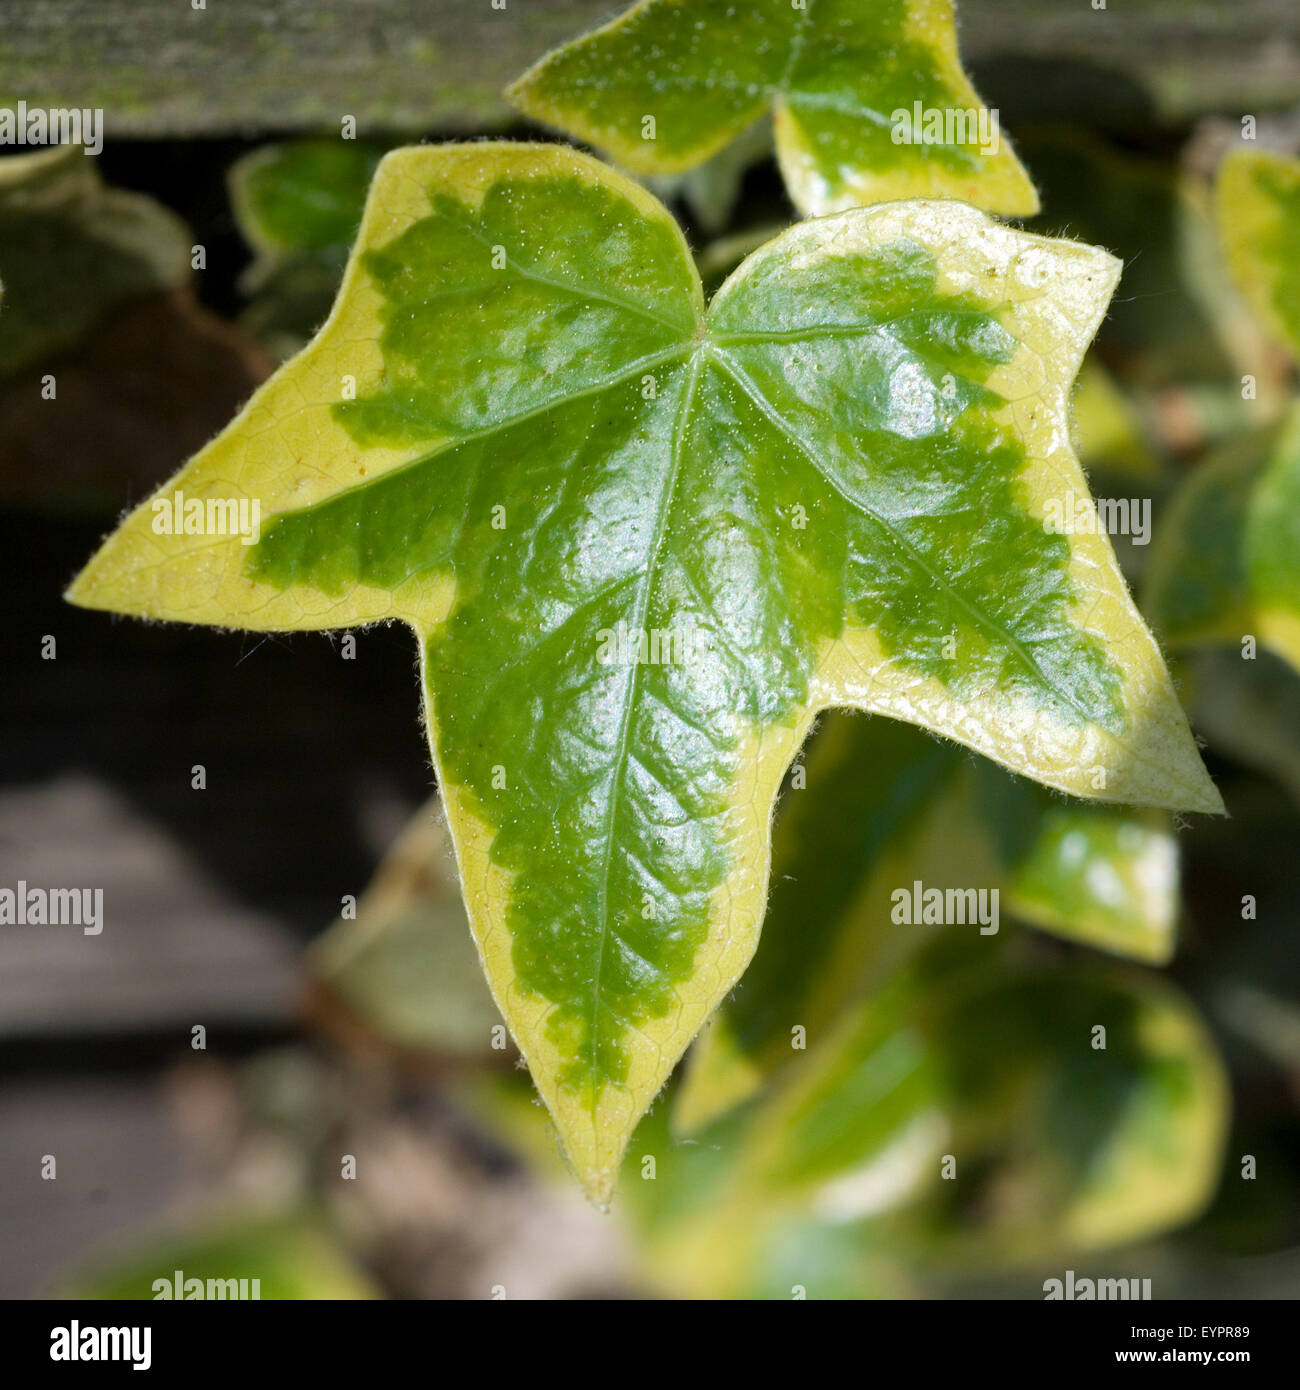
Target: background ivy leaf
(1060,1146)
(643,545)
(1257,207)
(833,72)
(1225,563)
(71,248)
(1157,333)
(1250,710)
(1103,876)
(1110,1143)
(884,806)
(711,190)
(404,966)
(1108,434)
(293,1257)
(303,198)
(832,1180)
(1177,338)
(298,206)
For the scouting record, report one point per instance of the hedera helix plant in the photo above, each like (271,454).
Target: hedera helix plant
(1224,568)
(668,85)
(832,1178)
(643,541)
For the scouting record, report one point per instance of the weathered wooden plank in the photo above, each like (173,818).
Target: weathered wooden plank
(169,949)
(161,67)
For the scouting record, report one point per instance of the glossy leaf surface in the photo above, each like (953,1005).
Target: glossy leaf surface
(642,544)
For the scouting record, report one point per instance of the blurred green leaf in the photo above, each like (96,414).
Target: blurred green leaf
(1107,431)
(1178,338)
(290,302)
(407,967)
(1257,208)
(971,1119)
(1225,564)
(1103,876)
(1091,1141)
(71,248)
(1157,332)
(892,806)
(712,190)
(304,198)
(1249,710)
(298,206)
(291,1258)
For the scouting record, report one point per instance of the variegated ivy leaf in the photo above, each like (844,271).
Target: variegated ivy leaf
(642,543)
(1257,206)
(868,97)
(1225,566)
(848,842)
(304,198)
(298,206)
(1091,1145)
(71,248)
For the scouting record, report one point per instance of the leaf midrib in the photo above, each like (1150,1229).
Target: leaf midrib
(680,427)
(708,349)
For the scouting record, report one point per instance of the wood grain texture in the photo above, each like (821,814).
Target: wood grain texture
(159,67)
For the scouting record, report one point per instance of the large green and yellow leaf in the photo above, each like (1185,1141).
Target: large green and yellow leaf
(670,83)
(642,544)
(1257,207)
(1225,566)
(71,248)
